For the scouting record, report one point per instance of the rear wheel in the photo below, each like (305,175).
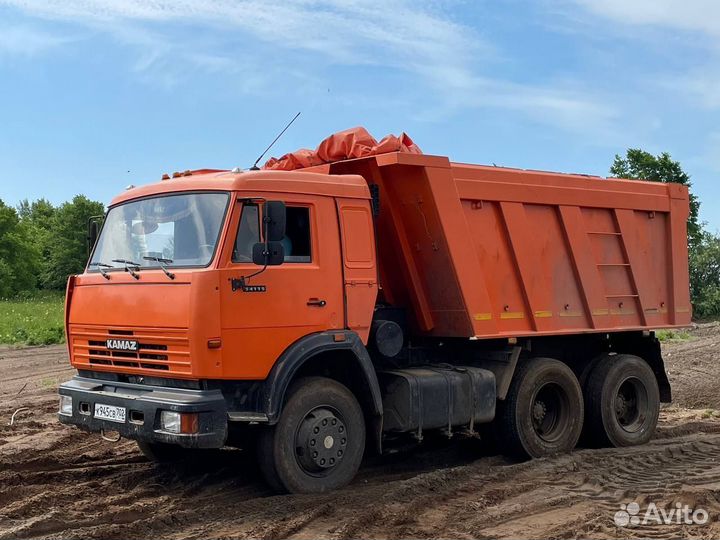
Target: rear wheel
(622,402)
(542,414)
(318,443)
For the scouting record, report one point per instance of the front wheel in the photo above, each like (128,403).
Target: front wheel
(542,414)
(318,443)
(622,402)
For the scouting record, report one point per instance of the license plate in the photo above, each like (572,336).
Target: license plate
(110,412)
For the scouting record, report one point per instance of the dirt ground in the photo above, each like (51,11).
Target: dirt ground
(56,481)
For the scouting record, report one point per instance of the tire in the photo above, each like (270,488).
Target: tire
(542,414)
(318,443)
(622,402)
(165,453)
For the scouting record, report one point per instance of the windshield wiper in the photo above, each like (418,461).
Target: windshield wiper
(129,267)
(162,262)
(100,266)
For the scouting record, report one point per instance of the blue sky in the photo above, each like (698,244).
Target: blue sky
(99,94)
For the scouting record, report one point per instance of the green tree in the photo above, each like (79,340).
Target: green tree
(39,212)
(67,240)
(705,276)
(18,255)
(640,165)
(38,218)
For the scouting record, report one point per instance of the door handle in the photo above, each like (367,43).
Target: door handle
(316,302)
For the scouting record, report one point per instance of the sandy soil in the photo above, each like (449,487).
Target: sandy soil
(56,481)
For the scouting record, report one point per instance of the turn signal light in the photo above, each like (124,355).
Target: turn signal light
(189,423)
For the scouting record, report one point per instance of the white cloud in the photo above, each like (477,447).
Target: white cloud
(395,33)
(28,41)
(446,57)
(692,15)
(347,31)
(559,105)
(697,21)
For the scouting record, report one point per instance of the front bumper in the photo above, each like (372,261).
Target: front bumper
(144,404)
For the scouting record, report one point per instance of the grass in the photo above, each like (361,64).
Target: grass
(673,335)
(37,319)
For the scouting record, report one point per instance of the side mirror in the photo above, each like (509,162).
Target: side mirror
(270,254)
(93,232)
(274,220)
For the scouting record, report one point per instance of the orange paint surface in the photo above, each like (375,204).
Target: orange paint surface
(470,251)
(492,252)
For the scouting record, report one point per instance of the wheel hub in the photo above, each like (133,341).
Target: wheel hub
(620,405)
(550,412)
(629,403)
(321,440)
(539,411)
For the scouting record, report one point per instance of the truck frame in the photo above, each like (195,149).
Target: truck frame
(317,314)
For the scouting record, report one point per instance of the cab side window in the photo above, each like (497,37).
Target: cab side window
(297,242)
(248,234)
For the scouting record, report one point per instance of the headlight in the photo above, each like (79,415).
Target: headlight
(170,421)
(175,422)
(66,405)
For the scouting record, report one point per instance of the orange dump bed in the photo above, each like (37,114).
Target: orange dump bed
(488,252)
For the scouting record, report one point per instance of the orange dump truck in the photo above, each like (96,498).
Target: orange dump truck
(340,307)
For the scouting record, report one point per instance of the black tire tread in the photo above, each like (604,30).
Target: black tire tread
(507,419)
(265,459)
(272,463)
(596,433)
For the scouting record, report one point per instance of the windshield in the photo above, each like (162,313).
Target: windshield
(174,230)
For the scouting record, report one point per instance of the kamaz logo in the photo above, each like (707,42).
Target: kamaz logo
(122,344)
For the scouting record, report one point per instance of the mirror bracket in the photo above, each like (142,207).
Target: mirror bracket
(268,253)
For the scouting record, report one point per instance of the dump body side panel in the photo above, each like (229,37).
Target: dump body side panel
(490,252)
(575,254)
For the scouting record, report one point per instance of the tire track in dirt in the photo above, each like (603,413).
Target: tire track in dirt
(574,495)
(56,481)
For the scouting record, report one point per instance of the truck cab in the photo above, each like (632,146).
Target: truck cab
(176,323)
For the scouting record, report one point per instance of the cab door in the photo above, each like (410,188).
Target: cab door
(302,296)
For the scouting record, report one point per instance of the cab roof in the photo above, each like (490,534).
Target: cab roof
(346,185)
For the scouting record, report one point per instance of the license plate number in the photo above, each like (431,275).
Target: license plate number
(110,412)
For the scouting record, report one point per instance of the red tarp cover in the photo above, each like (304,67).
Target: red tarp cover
(348,144)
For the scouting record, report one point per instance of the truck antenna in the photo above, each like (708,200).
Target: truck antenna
(255,167)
